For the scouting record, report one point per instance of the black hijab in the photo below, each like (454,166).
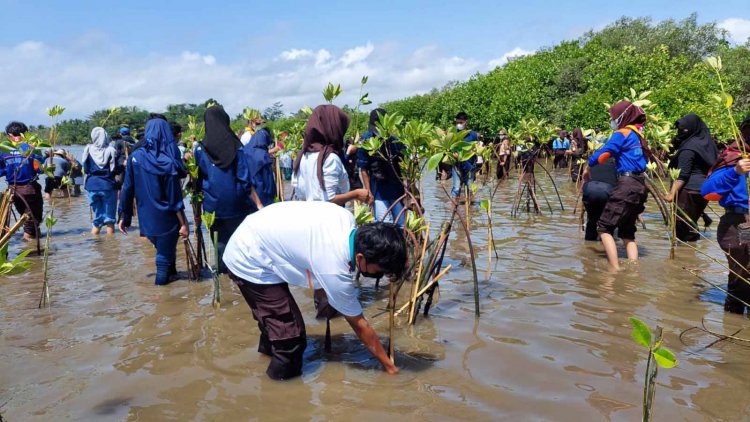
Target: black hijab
(375,118)
(696,137)
(220,143)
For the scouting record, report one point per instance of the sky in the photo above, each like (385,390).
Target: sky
(89,55)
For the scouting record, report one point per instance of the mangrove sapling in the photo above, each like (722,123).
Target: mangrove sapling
(194,190)
(49,222)
(657,356)
(486,205)
(208,219)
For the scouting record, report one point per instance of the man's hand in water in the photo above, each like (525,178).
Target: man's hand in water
(370,339)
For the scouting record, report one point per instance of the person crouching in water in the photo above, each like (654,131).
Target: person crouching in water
(727,183)
(152,180)
(274,248)
(627,200)
(596,193)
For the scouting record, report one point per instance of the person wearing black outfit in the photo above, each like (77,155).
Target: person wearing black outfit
(696,153)
(596,194)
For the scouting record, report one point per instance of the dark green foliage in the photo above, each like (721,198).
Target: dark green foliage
(569,84)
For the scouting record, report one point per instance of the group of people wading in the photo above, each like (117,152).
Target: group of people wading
(266,244)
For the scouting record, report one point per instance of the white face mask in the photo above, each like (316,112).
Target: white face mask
(460,126)
(613,124)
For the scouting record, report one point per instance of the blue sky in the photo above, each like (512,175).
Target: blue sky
(92,55)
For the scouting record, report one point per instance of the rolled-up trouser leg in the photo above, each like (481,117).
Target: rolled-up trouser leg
(738,259)
(281,325)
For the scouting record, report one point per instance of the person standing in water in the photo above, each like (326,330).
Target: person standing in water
(560,147)
(627,200)
(224,177)
(100,165)
(313,245)
(727,183)
(696,154)
(596,193)
(261,164)
(463,173)
(152,182)
(503,156)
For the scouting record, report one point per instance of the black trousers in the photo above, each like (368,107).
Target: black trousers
(224,227)
(282,329)
(595,197)
(626,203)
(738,260)
(28,200)
(693,204)
(561,160)
(502,171)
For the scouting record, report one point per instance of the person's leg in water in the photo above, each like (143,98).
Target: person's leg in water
(224,227)
(692,204)
(166,257)
(96,202)
(281,326)
(456,182)
(738,260)
(110,210)
(594,200)
(28,200)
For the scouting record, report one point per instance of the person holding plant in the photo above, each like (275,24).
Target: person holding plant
(76,174)
(727,183)
(696,154)
(627,200)
(463,173)
(21,167)
(100,165)
(58,161)
(152,182)
(318,174)
(560,147)
(275,248)
(225,178)
(381,173)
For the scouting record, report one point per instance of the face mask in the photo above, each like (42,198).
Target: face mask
(460,126)
(613,124)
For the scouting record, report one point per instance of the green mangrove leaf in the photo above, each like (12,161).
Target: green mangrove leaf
(485,205)
(665,358)
(364,79)
(208,219)
(641,333)
(434,161)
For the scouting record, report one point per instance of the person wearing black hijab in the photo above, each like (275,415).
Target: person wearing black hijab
(225,178)
(696,153)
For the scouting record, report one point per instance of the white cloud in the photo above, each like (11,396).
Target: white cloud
(516,52)
(739,29)
(84,81)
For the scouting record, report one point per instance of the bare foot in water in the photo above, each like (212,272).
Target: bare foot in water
(110,230)
(95,231)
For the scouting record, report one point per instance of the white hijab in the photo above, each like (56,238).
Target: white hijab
(99,149)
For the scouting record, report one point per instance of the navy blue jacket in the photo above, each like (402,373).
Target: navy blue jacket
(226,192)
(98,178)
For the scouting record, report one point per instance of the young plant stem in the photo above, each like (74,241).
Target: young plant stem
(391,321)
(217,285)
(415,288)
(652,369)
(44,300)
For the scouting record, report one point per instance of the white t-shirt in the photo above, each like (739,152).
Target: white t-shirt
(306,184)
(283,241)
(245,138)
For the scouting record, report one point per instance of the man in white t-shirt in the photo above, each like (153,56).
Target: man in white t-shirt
(315,245)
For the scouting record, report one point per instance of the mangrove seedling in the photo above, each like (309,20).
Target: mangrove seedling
(208,219)
(49,222)
(657,356)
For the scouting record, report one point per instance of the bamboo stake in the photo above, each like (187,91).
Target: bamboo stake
(8,234)
(427,287)
(415,288)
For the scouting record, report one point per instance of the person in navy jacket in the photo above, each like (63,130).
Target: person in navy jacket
(463,173)
(99,164)
(727,183)
(225,178)
(152,181)
(627,200)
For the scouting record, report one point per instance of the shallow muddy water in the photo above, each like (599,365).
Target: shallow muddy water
(553,341)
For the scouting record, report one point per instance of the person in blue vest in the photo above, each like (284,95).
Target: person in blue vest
(225,178)
(152,182)
(560,147)
(61,165)
(381,174)
(463,173)
(727,183)
(99,163)
(21,167)
(261,165)
(627,200)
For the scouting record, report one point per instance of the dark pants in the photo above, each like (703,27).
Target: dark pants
(623,208)
(693,204)
(595,197)
(166,257)
(503,170)
(738,259)
(52,183)
(282,329)
(28,200)
(225,227)
(575,169)
(560,160)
